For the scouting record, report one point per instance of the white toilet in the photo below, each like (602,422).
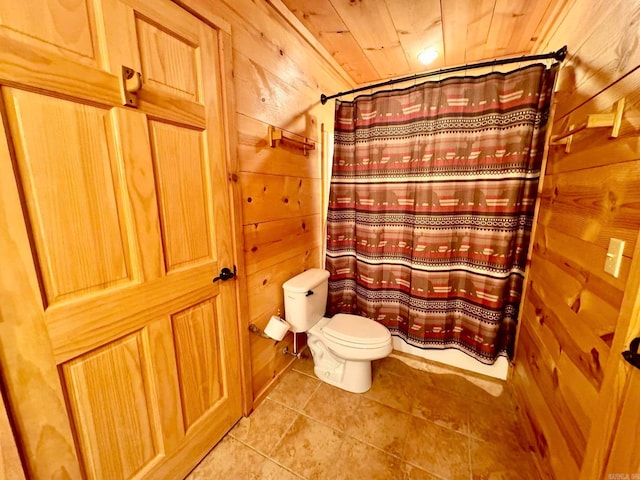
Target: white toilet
(342,346)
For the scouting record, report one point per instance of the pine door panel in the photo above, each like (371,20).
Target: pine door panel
(72,199)
(199,363)
(181,177)
(162,355)
(139,178)
(113,405)
(169,63)
(64,28)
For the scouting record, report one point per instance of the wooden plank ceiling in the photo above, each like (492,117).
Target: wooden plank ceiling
(378,39)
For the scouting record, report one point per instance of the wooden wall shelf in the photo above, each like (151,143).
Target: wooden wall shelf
(596,120)
(276,134)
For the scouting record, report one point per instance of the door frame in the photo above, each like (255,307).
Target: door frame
(235,201)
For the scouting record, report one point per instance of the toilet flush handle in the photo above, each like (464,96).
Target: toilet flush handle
(309,293)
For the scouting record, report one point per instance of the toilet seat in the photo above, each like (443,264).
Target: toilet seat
(355,331)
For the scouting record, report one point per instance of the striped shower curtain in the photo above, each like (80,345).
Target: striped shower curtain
(430,208)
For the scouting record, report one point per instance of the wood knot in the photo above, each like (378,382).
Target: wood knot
(249,199)
(554,378)
(613,201)
(575,306)
(595,358)
(539,315)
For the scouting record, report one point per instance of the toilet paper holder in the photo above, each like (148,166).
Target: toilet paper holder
(253,328)
(276,329)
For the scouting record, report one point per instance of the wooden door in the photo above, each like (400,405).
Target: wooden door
(10,466)
(613,447)
(119,354)
(624,457)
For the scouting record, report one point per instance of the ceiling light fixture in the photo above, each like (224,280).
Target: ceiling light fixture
(427,56)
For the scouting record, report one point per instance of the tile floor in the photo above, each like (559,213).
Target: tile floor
(420,420)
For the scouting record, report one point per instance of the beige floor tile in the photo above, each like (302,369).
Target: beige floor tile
(265,426)
(273,471)
(294,389)
(411,472)
(442,408)
(503,400)
(309,448)
(229,459)
(380,425)
(493,423)
(500,462)
(452,383)
(437,450)
(332,406)
(305,364)
(462,427)
(469,386)
(396,366)
(392,390)
(358,460)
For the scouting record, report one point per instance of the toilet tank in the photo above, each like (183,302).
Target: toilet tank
(305,298)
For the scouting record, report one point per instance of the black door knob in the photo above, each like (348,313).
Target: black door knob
(632,356)
(225,274)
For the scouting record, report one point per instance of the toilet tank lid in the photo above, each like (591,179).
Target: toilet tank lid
(306,281)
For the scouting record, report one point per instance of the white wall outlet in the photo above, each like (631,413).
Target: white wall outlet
(614,257)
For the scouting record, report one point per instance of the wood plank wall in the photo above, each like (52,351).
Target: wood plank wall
(278,76)
(589,195)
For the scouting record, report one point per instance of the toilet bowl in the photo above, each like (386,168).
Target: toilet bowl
(343,346)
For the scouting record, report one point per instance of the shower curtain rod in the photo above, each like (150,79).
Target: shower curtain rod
(558,55)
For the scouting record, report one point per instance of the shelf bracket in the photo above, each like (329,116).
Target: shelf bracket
(595,120)
(276,134)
